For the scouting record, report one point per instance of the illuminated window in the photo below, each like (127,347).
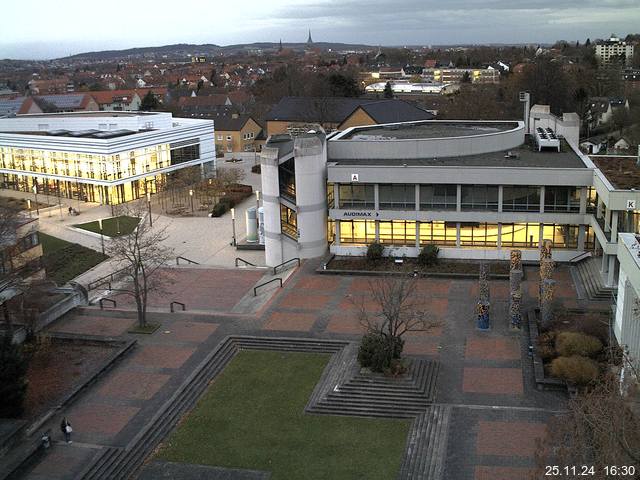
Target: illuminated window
(478,234)
(288,222)
(397,232)
(439,233)
(520,235)
(562,236)
(359,232)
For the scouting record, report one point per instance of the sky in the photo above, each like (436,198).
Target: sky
(51,29)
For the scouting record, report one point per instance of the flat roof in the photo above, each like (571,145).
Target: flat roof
(526,155)
(103,134)
(97,113)
(427,129)
(622,172)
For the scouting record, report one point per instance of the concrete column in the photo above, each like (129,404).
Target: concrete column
(376,198)
(614,226)
(499,243)
(337,225)
(611,274)
(607,220)
(542,199)
(605,263)
(459,198)
(336,195)
(417,234)
(540,235)
(599,208)
(377,229)
(583,200)
(581,236)
(271,204)
(417,198)
(458,234)
(500,197)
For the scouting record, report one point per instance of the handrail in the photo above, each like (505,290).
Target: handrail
(244,261)
(583,254)
(107,300)
(177,303)
(285,262)
(111,277)
(255,289)
(185,259)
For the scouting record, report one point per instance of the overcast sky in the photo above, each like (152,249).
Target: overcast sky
(50,29)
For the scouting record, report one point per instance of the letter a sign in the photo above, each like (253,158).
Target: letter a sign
(354,177)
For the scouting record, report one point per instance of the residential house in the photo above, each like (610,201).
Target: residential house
(601,109)
(73,102)
(56,86)
(295,114)
(117,100)
(236,133)
(18,106)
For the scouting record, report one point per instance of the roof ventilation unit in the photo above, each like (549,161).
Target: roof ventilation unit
(546,138)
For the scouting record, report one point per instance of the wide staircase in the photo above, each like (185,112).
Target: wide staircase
(588,273)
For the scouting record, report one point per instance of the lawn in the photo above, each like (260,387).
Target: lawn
(253,417)
(64,261)
(112,227)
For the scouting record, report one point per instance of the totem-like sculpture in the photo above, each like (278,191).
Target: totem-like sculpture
(482,309)
(515,290)
(546,310)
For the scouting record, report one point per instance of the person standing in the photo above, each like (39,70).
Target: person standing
(65,426)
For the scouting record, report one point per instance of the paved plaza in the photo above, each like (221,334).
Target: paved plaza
(486,377)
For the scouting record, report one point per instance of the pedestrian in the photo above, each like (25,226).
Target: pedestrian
(65,426)
(70,210)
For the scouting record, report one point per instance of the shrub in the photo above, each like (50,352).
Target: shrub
(546,351)
(575,343)
(13,379)
(428,255)
(374,351)
(575,369)
(228,201)
(219,209)
(374,252)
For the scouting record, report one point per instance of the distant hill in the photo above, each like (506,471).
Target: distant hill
(185,49)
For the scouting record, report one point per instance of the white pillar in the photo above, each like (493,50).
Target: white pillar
(614,226)
(611,276)
(542,190)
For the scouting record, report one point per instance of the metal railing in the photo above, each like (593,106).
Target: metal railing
(171,306)
(579,257)
(106,279)
(238,259)
(186,260)
(255,289)
(102,300)
(284,263)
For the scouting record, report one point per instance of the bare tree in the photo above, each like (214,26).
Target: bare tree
(399,310)
(600,428)
(10,279)
(142,254)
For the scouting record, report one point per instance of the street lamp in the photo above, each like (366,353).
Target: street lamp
(257,210)
(149,207)
(101,235)
(233,226)
(29,206)
(35,192)
(191,197)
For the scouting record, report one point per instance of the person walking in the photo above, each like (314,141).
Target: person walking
(65,426)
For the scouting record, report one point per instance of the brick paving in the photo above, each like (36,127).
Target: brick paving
(487,376)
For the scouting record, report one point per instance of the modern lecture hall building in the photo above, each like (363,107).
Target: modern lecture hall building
(104,157)
(477,189)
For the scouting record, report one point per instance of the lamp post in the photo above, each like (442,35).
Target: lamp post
(101,235)
(149,207)
(191,198)
(29,206)
(233,226)
(35,192)
(257,210)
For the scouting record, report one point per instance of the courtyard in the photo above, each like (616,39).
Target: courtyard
(252,417)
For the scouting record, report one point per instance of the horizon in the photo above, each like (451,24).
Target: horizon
(57,33)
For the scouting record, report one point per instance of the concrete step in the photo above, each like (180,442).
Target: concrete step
(589,274)
(427,445)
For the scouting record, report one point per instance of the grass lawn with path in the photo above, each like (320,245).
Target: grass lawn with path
(112,227)
(252,417)
(64,260)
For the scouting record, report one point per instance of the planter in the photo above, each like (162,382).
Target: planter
(543,382)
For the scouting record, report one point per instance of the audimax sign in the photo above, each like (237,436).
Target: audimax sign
(360,214)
